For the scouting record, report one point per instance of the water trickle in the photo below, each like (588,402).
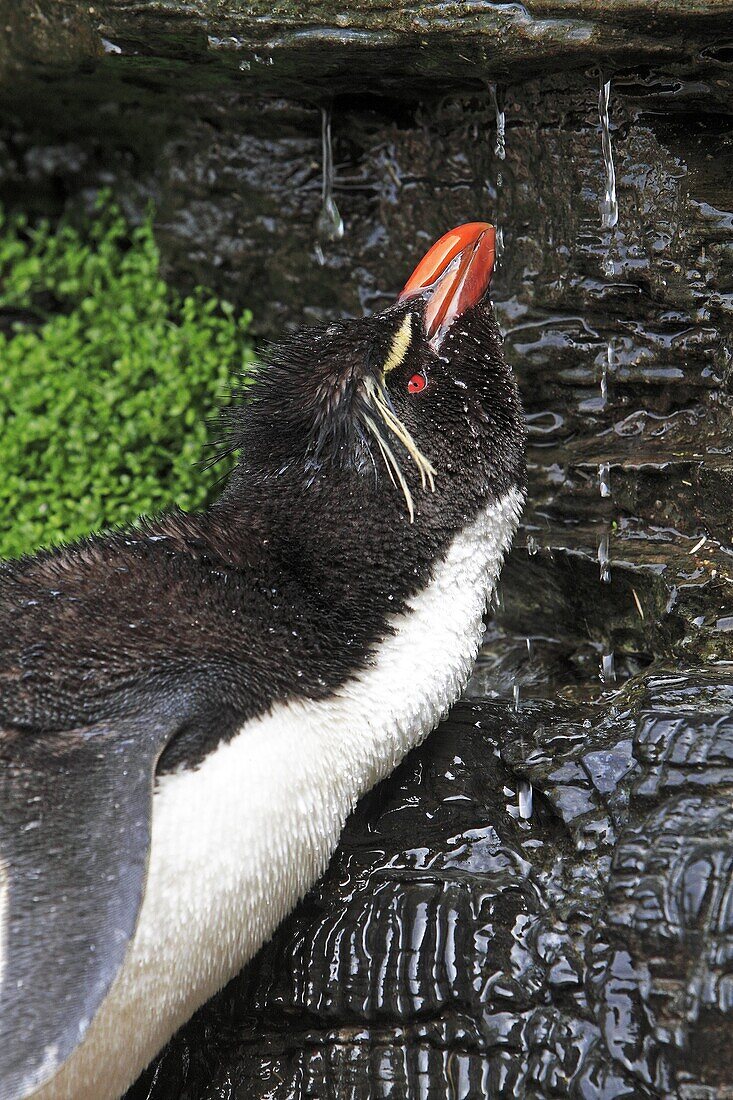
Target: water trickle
(330,226)
(497,98)
(608,669)
(609,202)
(606,368)
(524,792)
(604,560)
(524,788)
(604,479)
(499,242)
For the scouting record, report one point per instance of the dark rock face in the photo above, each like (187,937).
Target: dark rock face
(538,903)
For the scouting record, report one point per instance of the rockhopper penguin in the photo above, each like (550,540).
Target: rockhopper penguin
(189,709)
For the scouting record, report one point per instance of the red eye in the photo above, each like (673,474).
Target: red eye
(417,383)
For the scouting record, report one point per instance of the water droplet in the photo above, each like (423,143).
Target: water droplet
(604,560)
(604,479)
(516,698)
(524,790)
(330,226)
(606,368)
(532,545)
(609,202)
(497,98)
(608,669)
(529,648)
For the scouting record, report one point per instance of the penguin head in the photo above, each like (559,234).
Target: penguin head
(413,407)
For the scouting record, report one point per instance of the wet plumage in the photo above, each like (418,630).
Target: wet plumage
(216,673)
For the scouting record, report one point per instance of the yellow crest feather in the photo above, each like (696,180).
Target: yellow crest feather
(400,344)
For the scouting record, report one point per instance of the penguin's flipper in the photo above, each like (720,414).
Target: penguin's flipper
(75,811)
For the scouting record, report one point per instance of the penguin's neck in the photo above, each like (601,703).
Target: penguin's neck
(352,551)
(281,789)
(428,626)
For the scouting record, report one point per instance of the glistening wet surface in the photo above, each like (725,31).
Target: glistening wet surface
(539,902)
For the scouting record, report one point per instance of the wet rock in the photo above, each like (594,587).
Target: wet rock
(538,902)
(325,49)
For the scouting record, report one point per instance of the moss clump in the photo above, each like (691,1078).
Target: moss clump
(107,379)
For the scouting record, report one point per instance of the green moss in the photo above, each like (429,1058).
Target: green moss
(106,381)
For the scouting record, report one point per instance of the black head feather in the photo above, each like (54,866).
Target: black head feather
(323,402)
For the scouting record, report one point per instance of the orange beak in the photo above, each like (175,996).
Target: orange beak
(454,276)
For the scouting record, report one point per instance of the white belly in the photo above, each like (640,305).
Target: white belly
(237,841)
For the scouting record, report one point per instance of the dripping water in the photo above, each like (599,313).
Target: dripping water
(497,98)
(606,368)
(609,202)
(524,787)
(524,792)
(604,560)
(499,241)
(330,226)
(608,669)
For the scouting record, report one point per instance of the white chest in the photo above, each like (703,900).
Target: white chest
(237,841)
